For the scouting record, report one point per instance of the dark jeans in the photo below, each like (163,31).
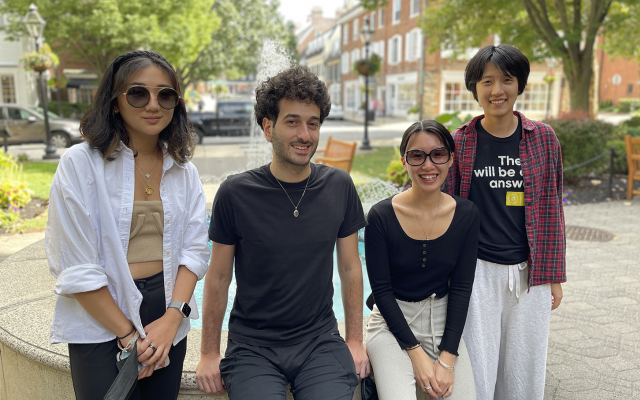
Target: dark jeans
(93,366)
(317,369)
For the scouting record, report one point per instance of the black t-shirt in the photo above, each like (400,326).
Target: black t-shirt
(400,267)
(497,189)
(284,264)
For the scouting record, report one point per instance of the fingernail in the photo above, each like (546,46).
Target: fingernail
(144,365)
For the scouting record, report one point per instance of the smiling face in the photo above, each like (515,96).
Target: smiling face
(497,93)
(150,119)
(296,132)
(428,176)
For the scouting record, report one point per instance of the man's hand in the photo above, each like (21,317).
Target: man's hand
(208,374)
(360,358)
(556,295)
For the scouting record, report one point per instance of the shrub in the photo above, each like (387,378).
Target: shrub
(396,173)
(581,140)
(628,105)
(619,163)
(69,110)
(372,190)
(453,120)
(14,193)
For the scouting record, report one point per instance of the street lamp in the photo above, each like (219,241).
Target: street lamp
(366,35)
(550,77)
(35,26)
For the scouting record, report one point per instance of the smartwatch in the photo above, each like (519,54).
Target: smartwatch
(184,308)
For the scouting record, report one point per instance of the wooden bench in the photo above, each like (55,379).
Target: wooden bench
(633,161)
(338,154)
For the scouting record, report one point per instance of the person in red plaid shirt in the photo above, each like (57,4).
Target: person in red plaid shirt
(511,168)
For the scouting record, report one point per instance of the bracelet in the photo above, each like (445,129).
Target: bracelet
(413,348)
(133,328)
(445,365)
(129,345)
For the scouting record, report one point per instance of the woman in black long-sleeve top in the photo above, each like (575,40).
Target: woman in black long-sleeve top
(421,248)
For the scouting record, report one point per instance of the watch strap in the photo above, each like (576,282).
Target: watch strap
(178,305)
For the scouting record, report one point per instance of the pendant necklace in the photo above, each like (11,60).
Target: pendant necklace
(295,207)
(149,190)
(434,220)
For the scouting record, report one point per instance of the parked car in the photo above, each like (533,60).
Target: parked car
(24,124)
(231,118)
(336,112)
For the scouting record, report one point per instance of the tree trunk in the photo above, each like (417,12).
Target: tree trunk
(580,79)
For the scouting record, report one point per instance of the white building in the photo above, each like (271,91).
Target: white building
(17,85)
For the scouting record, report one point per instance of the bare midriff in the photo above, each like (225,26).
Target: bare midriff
(145,269)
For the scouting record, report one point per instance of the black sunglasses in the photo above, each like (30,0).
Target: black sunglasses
(139,96)
(417,157)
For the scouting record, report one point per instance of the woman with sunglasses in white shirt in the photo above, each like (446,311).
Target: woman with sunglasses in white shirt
(126,236)
(420,247)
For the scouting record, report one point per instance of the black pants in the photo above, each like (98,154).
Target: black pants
(321,368)
(93,366)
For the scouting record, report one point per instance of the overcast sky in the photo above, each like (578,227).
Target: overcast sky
(298,10)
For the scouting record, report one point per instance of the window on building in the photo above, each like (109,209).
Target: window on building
(356,29)
(406,96)
(395,49)
(534,98)
(345,33)
(396,12)
(381,17)
(415,8)
(458,98)
(372,21)
(630,88)
(378,49)
(335,94)
(414,45)
(350,98)
(8,89)
(344,62)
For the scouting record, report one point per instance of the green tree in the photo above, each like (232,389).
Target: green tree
(234,49)
(97,31)
(565,29)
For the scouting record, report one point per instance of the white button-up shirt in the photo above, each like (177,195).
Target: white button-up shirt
(87,237)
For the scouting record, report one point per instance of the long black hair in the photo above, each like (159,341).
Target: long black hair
(103,129)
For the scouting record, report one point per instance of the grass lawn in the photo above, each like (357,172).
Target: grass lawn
(374,164)
(39,175)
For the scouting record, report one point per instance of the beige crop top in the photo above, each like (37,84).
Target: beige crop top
(145,241)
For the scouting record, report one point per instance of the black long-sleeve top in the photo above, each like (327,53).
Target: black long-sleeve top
(407,269)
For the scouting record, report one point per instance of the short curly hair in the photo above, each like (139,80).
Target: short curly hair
(295,83)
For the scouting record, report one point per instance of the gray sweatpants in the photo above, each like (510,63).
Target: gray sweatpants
(392,367)
(507,332)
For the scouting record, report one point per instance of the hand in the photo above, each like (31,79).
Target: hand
(208,374)
(160,333)
(423,372)
(360,358)
(556,295)
(444,376)
(146,371)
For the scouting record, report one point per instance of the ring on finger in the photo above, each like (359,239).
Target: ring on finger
(427,387)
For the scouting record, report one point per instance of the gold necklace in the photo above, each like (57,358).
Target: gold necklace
(434,220)
(149,190)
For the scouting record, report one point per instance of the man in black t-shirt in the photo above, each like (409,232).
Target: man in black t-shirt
(279,223)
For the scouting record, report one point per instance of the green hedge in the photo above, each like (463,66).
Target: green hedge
(628,105)
(581,140)
(69,110)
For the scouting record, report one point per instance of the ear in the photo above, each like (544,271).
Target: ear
(404,163)
(116,109)
(267,128)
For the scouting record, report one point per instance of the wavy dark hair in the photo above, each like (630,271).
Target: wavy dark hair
(103,129)
(295,83)
(431,126)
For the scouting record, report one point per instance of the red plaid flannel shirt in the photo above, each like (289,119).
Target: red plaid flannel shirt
(541,163)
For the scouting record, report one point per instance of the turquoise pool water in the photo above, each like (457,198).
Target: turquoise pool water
(337,296)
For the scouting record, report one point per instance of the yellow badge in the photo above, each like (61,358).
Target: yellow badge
(515,198)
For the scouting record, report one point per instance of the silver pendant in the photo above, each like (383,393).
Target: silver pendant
(296,213)
(148,176)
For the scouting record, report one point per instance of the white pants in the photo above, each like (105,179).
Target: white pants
(507,332)
(392,367)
